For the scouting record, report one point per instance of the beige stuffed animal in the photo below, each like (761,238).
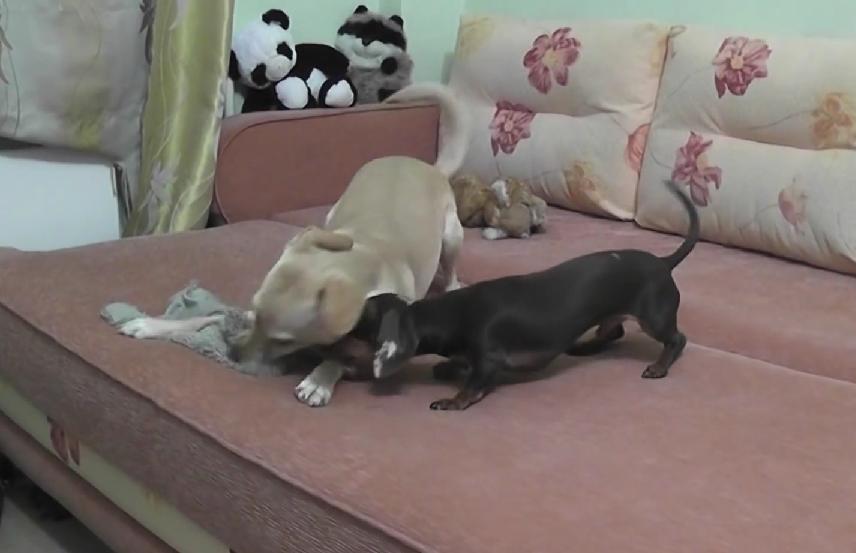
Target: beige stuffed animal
(506,208)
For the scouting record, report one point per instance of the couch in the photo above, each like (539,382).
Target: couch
(743,447)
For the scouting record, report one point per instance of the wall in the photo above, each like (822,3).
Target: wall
(431,25)
(817,17)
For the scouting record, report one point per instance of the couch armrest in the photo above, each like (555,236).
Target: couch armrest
(270,162)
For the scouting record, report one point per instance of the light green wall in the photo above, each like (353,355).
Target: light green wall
(431,25)
(810,17)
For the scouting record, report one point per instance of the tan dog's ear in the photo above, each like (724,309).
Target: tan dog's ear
(324,239)
(340,305)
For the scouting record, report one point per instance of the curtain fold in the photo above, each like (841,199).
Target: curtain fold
(188,44)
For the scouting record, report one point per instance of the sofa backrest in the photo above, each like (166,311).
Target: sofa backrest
(561,104)
(761,131)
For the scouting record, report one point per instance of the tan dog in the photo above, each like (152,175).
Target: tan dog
(394,230)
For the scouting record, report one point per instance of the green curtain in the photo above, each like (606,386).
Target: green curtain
(188,45)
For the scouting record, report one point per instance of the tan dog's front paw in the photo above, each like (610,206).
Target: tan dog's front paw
(141,328)
(313,393)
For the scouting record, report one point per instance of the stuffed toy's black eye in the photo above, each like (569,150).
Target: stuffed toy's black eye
(285,50)
(258,75)
(389,66)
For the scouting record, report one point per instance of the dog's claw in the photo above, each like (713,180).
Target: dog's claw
(445,405)
(654,372)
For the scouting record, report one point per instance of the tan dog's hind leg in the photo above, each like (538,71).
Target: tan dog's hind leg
(453,238)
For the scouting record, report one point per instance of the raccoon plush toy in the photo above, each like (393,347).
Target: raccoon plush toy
(377,51)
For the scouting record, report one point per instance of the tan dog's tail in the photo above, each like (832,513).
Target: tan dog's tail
(454,123)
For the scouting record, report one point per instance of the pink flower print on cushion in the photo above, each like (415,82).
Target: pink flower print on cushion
(792,204)
(550,58)
(691,168)
(510,125)
(740,60)
(635,148)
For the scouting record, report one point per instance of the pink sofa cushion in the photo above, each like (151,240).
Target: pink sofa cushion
(727,453)
(767,308)
(564,105)
(762,131)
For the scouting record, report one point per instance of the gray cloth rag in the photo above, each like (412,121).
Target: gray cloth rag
(215,341)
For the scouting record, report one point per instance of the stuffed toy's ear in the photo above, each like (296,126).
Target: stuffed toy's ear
(399,20)
(234,68)
(397,341)
(361,9)
(276,17)
(340,305)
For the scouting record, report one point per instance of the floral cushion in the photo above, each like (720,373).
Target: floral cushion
(761,131)
(564,106)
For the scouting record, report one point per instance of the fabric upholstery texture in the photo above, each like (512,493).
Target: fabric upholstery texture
(131,400)
(544,109)
(727,453)
(762,134)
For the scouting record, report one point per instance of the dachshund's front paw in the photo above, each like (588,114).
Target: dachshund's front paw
(653,371)
(446,405)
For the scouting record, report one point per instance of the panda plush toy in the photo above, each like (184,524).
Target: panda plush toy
(275,73)
(376,48)
(262,55)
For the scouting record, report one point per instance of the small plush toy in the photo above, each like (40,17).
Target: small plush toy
(376,48)
(262,55)
(506,208)
(276,73)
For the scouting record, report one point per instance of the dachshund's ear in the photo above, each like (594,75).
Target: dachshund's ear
(397,341)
